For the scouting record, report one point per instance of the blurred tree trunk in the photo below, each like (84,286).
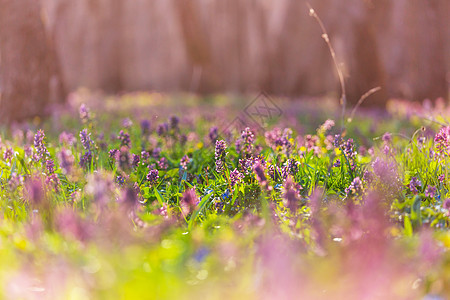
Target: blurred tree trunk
(27,69)
(196,45)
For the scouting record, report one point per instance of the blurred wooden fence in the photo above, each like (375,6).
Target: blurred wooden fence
(248,45)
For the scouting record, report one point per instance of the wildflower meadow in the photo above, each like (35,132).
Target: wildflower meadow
(121,199)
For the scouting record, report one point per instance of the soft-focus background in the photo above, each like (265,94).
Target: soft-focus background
(205,46)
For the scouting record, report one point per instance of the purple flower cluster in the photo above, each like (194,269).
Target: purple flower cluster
(66,160)
(52,178)
(156,152)
(189,201)
(274,172)
(446,204)
(84,113)
(127,123)
(430,191)
(39,146)
(220,154)
(144,155)
(213,134)
(135,160)
(414,184)
(67,138)
(8,154)
(279,139)
(327,126)
(442,139)
(145,127)
(15,181)
(124,158)
(114,154)
(163,164)
(337,140)
(185,160)
(88,144)
(387,173)
(162,129)
(235,177)
(173,122)
(86,140)
(349,149)
(387,137)
(35,191)
(124,139)
(153,176)
(337,163)
(50,166)
(291,166)
(259,172)
(86,159)
(355,188)
(245,143)
(290,195)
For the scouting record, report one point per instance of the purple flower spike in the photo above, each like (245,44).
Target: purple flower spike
(185,160)
(220,154)
(441,140)
(259,171)
(213,133)
(153,176)
(355,187)
(84,113)
(39,145)
(66,160)
(235,177)
(85,139)
(430,191)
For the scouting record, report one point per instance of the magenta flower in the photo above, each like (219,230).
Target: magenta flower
(290,195)
(446,204)
(259,172)
(387,137)
(441,140)
(185,160)
(220,154)
(163,164)
(189,201)
(327,125)
(67,138)
(135,160)
(153,176)
(8,154)
(39,145)
(430,191)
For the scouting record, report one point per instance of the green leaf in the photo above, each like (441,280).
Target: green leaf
(416,215)
(408,226)
(158,196)
(200,209)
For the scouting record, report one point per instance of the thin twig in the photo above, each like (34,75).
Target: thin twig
(361,100)
(343,100)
